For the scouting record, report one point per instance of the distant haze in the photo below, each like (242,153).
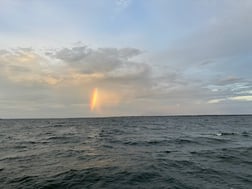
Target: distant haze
(125,57)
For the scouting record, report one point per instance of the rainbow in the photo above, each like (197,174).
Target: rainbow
(93,99)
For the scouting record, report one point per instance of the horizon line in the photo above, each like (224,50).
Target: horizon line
(125,116)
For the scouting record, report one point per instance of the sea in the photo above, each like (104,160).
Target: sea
(177,152)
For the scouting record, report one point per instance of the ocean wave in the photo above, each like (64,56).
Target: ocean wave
(144,152)
(109,177)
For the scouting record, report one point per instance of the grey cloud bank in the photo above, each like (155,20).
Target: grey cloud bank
(58,83)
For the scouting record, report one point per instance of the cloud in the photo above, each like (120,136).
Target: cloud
(233,98)
(100,60)
(74,54)
(241,98)
(122,4)
(52,74)
(62,79)
(229,80)
(60,82)
(213,101)
(225,36)
(211,63)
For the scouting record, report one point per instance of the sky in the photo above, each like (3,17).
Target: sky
(84,58)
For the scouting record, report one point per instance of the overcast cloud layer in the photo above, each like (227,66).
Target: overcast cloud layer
(144,57)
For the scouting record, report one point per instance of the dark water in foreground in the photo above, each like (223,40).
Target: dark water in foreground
(131,152)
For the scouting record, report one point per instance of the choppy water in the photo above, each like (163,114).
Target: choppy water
(130,152)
